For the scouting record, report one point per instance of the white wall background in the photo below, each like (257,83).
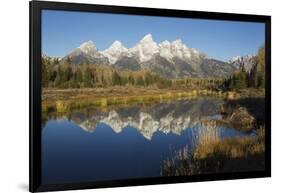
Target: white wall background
(14,72)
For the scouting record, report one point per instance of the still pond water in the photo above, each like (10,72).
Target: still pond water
(124,142)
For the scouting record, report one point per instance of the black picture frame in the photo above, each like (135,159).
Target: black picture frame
(35,93)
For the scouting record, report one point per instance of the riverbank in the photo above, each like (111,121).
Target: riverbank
(62,100)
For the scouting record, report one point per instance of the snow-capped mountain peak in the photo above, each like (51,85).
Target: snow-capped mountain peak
(234,58)
(177,42)
(240,58)
(86,53)
(88,47)
(165,43)
(147,38)
(165,50)
(146,54)
(247,62)
(116,44)
(180,50)
(145,49)
(115,51)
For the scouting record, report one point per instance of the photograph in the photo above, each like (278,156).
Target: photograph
(137,97)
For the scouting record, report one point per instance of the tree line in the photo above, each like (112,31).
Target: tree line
(255,78)
(67,75)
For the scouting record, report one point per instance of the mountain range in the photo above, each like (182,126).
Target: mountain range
(168,59)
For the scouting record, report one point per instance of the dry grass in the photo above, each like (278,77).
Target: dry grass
(207,132)
(102,97)
(213,155)
(63,100)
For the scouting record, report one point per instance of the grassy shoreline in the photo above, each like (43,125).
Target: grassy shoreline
(62,100)
(215,155)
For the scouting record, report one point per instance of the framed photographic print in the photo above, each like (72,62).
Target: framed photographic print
(124,96)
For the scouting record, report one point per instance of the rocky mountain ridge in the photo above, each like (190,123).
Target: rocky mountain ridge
(168,59)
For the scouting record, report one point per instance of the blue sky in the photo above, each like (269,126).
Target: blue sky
(62,31)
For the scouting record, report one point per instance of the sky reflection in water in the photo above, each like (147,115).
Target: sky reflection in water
(122,143)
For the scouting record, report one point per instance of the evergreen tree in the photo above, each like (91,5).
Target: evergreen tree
(87,79)
(242,79)
(68,60)
(59,77)
(116,79)
(45,78)
(131,80)
(140,81)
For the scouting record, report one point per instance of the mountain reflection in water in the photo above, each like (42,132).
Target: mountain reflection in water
(124,142)
(171,117)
